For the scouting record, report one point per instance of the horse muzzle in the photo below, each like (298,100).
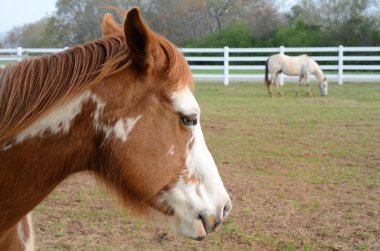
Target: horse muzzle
(323,91)
(212,221)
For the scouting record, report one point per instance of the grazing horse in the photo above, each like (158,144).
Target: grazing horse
(302,66)
(119,107)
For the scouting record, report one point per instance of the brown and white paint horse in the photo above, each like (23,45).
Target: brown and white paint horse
(120,107)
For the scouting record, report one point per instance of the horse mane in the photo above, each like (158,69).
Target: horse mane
(32,87)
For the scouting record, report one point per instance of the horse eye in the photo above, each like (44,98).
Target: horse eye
(189,121)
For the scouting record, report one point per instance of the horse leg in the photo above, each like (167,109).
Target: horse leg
(272,81)
(269,87)
(298,86)
(278,88)
(19,237)
(307,81)
(308,89)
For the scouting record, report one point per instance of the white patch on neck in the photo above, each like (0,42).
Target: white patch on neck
(20,233)
(27,241)
(29,245)
(60,120)
(56,121)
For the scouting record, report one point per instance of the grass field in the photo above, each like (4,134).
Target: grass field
(303,174)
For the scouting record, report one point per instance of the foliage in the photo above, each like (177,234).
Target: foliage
(214,23)
(236,35)
(301,34)
(72,23)
(34,35)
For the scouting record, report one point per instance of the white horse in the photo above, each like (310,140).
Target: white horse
(302,66)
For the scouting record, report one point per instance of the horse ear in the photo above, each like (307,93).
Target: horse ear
(109,26)
(137,36)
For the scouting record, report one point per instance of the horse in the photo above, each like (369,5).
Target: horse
(120,107)
(302,66)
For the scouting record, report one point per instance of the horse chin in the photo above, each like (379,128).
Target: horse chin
(189,228)
(192,229)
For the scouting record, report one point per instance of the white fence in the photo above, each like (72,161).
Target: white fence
(339,63)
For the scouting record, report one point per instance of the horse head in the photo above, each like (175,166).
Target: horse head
(151,147)
(323,86)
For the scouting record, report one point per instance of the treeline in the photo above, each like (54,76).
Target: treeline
(214,23)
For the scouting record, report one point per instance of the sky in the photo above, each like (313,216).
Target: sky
(19,12)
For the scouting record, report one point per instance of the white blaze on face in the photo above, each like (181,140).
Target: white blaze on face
(188,198)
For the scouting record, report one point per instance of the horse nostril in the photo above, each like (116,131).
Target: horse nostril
(227,209)
(209,220)
(200,216)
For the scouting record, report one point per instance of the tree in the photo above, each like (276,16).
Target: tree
(76,21)
(261,22)
(191,19)
(12,38)
(262,16)
(345,22)
(236,34)
(35,35)
(300,34)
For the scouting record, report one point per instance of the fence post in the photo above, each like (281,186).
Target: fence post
(19,53)
(340,65)
(226,65)
(281,77)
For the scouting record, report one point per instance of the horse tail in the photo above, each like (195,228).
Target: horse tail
(267,82)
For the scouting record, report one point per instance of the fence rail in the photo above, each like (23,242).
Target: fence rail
(339,63)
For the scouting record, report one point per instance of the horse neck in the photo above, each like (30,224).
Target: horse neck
(318,73)
(32,168)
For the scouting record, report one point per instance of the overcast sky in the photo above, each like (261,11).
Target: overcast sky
(19,12)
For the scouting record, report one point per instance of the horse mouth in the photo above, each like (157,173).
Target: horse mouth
(163,207)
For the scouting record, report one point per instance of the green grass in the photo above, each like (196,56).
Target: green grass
(315,142)
(285,129)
